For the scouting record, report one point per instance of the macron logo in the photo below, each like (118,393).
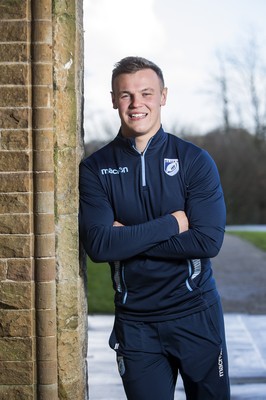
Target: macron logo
(220,364)
(114,171)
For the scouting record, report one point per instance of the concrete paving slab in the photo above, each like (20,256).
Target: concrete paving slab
(247,358)
(246,347)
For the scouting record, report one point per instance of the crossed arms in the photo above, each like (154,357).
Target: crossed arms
(196,232)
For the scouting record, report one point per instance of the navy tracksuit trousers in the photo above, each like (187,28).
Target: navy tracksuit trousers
(150,356)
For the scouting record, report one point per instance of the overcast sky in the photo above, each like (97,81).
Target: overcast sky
(181,36)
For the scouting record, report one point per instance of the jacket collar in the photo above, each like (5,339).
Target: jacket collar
(154,143)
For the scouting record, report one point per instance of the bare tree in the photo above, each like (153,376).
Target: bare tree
(240,158)
(223,85)
(239,87)
(249,74)
(217,88)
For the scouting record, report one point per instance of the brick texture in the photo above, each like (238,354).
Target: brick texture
(43,309)
(17,303)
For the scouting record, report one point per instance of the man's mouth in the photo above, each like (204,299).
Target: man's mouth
(137,115)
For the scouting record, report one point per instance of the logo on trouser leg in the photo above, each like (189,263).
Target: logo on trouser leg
(220,364)
(121,365)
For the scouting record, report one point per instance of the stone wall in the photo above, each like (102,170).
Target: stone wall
(42,283)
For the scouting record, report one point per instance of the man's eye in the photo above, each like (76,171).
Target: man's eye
(124,96)
(145,94)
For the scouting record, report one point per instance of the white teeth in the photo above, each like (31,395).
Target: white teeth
(137,115)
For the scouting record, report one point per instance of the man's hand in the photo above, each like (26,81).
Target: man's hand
(182,220)
(116,223)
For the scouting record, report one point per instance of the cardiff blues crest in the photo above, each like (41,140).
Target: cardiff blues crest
(171,166)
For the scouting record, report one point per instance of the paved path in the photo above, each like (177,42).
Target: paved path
(240,271)
(246,348)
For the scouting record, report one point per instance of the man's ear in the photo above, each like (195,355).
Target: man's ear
(164,96)
(113,100)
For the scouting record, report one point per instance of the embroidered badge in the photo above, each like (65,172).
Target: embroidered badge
(171,166)
(121,365)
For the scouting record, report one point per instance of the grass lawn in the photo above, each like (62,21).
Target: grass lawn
(256,238)
(100,290)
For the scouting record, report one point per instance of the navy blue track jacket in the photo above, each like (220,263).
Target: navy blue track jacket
(158,274)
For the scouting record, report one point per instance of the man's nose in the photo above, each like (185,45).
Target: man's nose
(135,101)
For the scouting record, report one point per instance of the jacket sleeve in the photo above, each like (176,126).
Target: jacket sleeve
(205,209)
(101,240)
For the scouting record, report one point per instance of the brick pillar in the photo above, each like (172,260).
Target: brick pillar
(71,302)
(42,293)
(17,316)
(43,204)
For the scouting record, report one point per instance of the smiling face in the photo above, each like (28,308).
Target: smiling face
(138,97)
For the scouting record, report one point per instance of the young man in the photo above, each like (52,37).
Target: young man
(151,205)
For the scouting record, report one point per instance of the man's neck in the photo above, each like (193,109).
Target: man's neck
(141,142)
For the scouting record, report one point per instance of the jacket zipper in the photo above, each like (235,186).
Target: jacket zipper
(142,158)
(119,279)
(124,283)
(143,172)
(194,269)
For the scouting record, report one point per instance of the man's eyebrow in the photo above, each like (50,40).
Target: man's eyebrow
(124,91)
(148,89)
